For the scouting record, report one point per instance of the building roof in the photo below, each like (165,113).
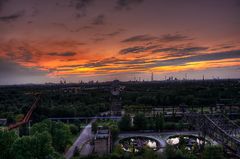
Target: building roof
(102,134)
(3,121)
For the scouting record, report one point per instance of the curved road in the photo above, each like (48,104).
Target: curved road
(85,136)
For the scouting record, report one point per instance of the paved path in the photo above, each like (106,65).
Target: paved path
(87,149)
(85,136)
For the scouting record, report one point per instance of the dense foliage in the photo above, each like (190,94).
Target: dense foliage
(192,93)
(55,102)
(47,140)
(90,100)
(59,131)
(6,141)
(156,123)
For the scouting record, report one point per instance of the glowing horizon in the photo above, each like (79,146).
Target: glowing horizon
(42,41)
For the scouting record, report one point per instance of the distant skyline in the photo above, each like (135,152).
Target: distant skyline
(44,40)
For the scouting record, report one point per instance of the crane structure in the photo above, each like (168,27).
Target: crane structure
(62,80)
(27,116)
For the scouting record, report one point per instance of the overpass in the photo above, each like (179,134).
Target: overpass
(219,128)
(85,118)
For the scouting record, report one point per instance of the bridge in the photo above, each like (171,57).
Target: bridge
(117,118)
(218,127)
(27,117)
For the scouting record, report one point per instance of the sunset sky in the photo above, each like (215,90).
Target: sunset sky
(45,40)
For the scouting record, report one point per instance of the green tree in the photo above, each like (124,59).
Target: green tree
(94,127)
(146,100)
(7,138)
(74,129)
(125,123)
(151,123)
(140,121)
(169,152)
(38,146)
(118,150)
(149,154)
(40,127)
(212,152)
(61,136)
(60,132)
(114,132)
(43,144)
(159,122)
(22,148)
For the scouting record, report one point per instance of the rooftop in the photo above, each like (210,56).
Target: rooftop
(102,134)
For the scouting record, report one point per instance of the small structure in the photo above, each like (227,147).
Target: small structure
(102,142)
(3,122)
(115,99)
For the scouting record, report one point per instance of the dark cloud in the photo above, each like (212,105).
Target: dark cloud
(173,37)
(136,49)
(119,31)
(163,38)
(73,30)
(21,54)
(127,4)
(62,54)
(27,56)
(113,33)
(170,49)
(131,67)
(224,46)
(20,51)
(2,2)
(175,51)
(80,29)
(99,20)
(9,67)
(81,6)
(70,66)
(60,25)
(140,38)
(137,64)
(87,27)
(29,22)
(178,52)
(100,63)
(131,62)
(104,36)
(34,11)
(237,3)
(198,58)
(98,39)
(143,64)
(67,43)
(227,47)
(12,17)
(13,73)
(193,49)
(105,62)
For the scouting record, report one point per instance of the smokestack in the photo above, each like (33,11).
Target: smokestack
(152,77)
